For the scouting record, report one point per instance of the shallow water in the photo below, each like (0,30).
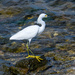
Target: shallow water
(56,43)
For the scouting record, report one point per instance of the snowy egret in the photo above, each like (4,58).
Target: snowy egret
(29,33)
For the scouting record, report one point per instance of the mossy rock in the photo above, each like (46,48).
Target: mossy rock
(12,70)
(64,46)
(10,12)
(31,63)
(14,47)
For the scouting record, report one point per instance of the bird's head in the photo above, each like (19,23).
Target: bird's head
(43,15)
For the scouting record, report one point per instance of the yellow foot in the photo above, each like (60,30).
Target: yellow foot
(33,56)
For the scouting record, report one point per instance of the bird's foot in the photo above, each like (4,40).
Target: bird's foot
(33,56)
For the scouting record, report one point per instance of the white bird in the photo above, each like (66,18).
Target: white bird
(30,32)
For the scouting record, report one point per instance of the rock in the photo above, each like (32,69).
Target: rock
(13,70)
(65,46)
(1,53)
(31,63)
(14,47)
(16,71)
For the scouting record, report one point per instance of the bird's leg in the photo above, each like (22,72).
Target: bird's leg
(31,51)
(32,56)
(27,48)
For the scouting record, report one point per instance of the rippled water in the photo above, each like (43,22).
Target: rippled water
(56,43)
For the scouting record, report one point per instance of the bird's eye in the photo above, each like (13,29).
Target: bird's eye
(45,15)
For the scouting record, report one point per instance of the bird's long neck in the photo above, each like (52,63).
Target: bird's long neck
(42,27)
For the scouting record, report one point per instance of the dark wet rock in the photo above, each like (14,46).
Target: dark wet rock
(9,12)
(3,41)
(57,2)
(31,63)
(66,6)
(58,56)
(16,2)
(13,70)
(14,47)
(65,46)
(1,53)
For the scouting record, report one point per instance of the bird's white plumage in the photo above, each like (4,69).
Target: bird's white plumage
(30,31)
(27,33)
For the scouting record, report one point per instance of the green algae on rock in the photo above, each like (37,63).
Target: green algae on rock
(10,12)
(14,70)
(14,47)
(31,63)
(65,46)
